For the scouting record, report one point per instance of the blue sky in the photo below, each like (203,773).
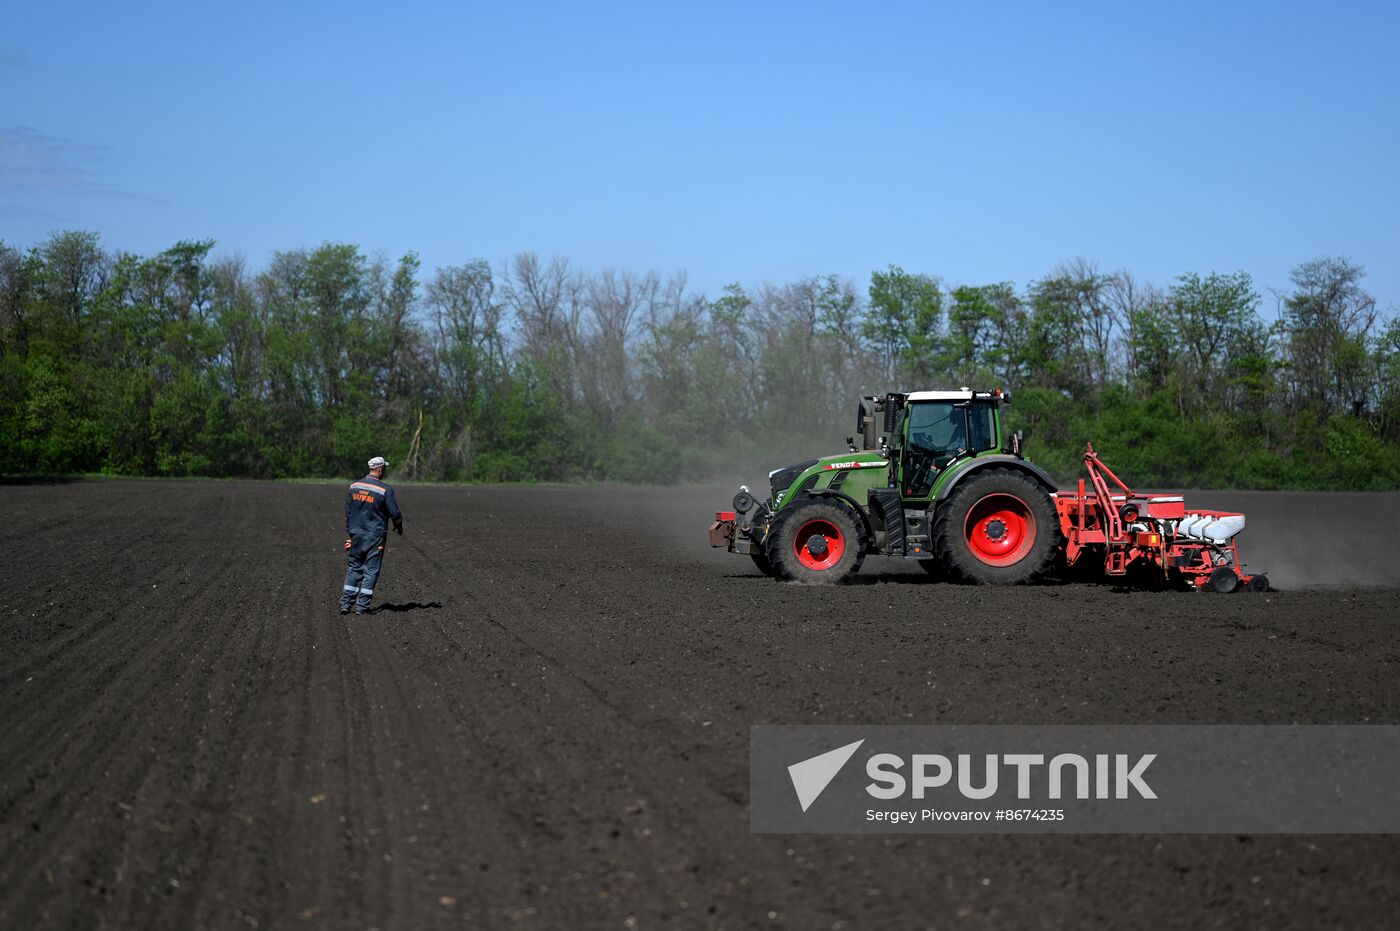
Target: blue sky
(740,142)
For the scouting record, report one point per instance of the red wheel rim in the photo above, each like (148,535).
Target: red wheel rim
(1000,530)
(822,536)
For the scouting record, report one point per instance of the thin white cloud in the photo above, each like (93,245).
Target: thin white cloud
(33,161)
(23,212)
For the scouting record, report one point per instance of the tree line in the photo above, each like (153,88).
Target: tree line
(187,363)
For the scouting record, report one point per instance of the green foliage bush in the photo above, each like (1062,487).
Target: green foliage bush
(182,364)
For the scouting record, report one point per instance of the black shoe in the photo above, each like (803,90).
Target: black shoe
(362,612)
(344,610)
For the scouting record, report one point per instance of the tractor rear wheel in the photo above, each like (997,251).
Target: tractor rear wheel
(817,541)
(998,527)
(761,561)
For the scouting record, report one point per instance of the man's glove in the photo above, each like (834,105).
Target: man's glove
(398,526)
(347,543)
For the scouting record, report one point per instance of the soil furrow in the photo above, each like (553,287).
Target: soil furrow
(546,726)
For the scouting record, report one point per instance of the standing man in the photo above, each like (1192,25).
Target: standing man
(369,507)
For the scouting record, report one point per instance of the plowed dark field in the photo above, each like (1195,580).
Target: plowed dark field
(545,724)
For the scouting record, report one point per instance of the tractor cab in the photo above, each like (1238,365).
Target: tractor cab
(929,431)
(939,429)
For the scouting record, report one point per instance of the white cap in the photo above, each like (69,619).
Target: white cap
(378,462)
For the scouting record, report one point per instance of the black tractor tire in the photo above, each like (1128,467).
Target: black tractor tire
(998,527)
(760,559)
(934,567)
(798,556)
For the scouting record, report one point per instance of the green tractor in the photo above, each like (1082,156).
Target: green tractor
(941,484)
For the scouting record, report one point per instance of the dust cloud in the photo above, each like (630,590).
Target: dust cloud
(1315,539)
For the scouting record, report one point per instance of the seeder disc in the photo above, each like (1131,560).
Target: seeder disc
(1224,580)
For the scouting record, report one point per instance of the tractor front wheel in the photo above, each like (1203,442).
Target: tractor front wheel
(998,527)
(817,542)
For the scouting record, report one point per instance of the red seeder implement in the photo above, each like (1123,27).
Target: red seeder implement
(1154,534)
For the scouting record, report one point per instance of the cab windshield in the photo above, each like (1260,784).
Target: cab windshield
(939,432)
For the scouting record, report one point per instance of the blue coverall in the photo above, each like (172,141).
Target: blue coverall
(369,506)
